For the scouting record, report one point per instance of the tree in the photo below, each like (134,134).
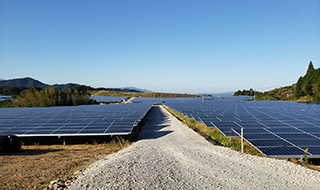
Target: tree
(310,68)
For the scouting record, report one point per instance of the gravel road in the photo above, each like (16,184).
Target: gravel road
(169,155)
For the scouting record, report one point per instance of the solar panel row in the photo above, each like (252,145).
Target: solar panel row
(109,98)
(276,128)
(76,120)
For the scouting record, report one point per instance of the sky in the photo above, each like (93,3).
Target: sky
(185,46)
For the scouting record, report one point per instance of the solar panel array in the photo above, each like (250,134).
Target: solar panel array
(73,121)
(275,128)
(109,98)
(2,98)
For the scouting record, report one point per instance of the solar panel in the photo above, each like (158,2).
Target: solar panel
(275,128)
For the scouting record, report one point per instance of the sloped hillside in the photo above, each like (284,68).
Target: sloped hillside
(307,89)
(283,93)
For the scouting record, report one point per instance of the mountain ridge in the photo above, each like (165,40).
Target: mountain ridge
(28,82)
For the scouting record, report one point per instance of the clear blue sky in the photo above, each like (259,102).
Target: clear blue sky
(169,46)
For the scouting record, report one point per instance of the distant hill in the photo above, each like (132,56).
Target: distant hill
(307,89)
(30,82)
(22,82)
(224,94)
(137,89)
(65,86)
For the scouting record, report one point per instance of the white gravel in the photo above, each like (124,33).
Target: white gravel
(169,155)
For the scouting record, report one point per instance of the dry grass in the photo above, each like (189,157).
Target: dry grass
(314,167)
(35,166)
(307,98)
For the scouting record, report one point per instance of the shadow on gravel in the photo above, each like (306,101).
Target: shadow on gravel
(155,123)
(152,134)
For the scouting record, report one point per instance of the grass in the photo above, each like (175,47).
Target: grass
(36,165)
(214,135)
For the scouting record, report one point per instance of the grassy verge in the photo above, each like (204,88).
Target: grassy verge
(214,135)
(35,166)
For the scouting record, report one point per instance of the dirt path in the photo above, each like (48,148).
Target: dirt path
(129,100)
(169,155)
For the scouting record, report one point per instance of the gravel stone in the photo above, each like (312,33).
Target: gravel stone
(169,155)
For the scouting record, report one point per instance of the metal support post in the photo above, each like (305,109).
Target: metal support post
(241,140)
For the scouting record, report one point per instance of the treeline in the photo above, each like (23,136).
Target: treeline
(308,86)
(38,97)
(244,93)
